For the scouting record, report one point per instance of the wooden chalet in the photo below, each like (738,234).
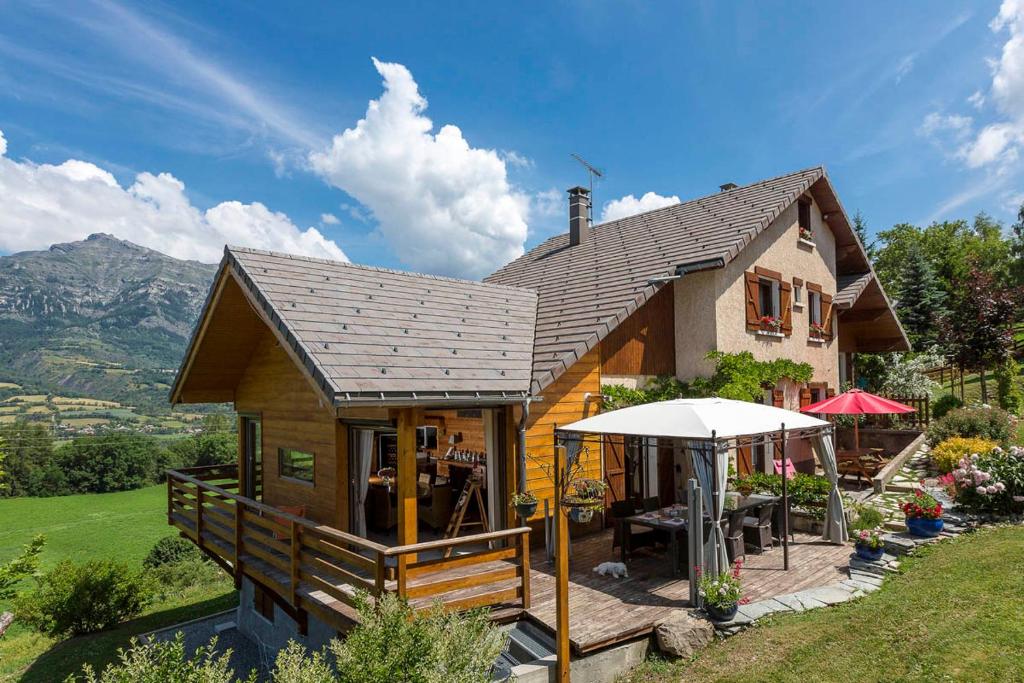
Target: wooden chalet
(369,400)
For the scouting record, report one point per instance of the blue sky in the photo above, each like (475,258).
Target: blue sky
(915,108)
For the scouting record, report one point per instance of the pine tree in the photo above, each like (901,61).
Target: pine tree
(920,299)
(860,227)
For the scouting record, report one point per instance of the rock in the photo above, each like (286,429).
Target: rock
(898,543)
(684,633)
(829,595)
(807,601)
(791,601)
(762,608)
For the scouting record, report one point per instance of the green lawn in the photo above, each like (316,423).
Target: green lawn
(122,526)
(953,614)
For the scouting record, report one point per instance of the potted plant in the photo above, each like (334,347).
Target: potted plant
(721,595)
(868,544)
(923,514)
(526,503)
(806,234)
(817,331)
(770,323)
(585,496)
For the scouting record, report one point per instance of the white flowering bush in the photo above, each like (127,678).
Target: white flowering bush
(989,482)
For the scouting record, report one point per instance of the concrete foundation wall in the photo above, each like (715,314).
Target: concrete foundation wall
(274,636)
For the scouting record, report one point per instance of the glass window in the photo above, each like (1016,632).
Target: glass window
(426,438)
(295,464)
(814,304)
(769,295)
(798,294)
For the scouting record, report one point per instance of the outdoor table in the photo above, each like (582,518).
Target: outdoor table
(661,520)
(737,502)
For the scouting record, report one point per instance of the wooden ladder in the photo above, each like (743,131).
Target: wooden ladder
(470,492)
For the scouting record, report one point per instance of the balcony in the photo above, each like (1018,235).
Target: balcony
(311,568)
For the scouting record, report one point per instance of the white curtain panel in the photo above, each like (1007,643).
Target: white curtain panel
(835,516)
(715,558)
(363,456)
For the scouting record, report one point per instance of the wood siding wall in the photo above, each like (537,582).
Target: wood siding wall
(293,416)
(645,343)
(563,403)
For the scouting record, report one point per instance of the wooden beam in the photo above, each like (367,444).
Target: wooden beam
(342,488)
(861,315)
(407,421)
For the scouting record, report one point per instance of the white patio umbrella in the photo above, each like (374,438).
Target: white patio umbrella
(695,419)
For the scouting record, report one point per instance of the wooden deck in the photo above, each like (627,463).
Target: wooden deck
(604,610)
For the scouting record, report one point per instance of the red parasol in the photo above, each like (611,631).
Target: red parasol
(857,402)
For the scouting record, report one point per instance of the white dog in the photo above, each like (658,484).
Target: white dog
(615,569)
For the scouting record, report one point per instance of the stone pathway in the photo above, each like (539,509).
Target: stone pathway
(918,468)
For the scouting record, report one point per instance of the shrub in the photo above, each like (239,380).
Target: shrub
(164,661)
(84,598)
(983,423)
(806,491)
(867,518)
(947,454)
(945,403)
(179,578)
(992,481)
(171,550)
(21,567)
(1008,386)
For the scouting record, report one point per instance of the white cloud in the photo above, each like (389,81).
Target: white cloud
(442,205)
(630,205)
(905,66)
(514,158)
(935,123)
(329,219)
(44,204)
(977,100)
(3,144)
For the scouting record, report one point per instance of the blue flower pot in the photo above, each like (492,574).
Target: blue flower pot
(925,528)
(580,514)
(721,613)
(869,554)
(526,510)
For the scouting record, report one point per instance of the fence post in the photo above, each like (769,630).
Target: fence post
(239,511)
(199,515)
(381,576)
(400,576)
(524,563)
(296,530)
(170,499)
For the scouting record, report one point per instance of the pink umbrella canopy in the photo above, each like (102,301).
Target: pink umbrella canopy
(857,402)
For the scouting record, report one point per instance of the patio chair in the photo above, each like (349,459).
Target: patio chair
(639,536)
(761,526)
(734,543)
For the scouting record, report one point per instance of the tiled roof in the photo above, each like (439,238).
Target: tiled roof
(375,334)
(587,290)
(849,288)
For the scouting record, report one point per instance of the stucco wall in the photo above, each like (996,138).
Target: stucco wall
(695,323)
(777,249)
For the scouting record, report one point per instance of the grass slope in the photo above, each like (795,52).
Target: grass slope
(122,526)
(953,614)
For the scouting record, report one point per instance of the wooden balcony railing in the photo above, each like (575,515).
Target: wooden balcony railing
(309,567)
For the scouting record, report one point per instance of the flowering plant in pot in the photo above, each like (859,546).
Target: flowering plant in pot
(721,594)
(525,502)
(923,514)
(868,544)
(806,234)
(583,497)
(817,331)
(771,323)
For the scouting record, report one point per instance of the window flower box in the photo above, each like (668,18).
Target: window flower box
(771,324)
(806,235)
(817,341)
(817,332)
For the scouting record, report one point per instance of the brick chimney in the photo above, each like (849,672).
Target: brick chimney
(579,215)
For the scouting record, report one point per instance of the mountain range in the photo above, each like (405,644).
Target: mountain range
(101,317)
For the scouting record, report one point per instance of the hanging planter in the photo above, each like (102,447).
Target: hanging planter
(525,503)
(585,496)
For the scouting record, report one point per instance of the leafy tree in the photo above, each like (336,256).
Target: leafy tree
(29,465)
(22,566)
(1017,249)
(919,299)
(115,462)
(905,374)
(978,330)
(206,448)
(1008,386)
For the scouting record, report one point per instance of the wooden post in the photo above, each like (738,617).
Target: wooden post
(199,515)
(243,458)
(239,511)
(561,575)
(294,552)
(170,499)
(696,536)
(524,564)
(785,499)
(406,491)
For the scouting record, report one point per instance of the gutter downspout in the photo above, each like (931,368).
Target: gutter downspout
(522,445)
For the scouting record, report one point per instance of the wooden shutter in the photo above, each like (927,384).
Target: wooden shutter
(744,462)
(830,392)
(778,398)
(786,306)
(826,314)
(752,284)
(805,397)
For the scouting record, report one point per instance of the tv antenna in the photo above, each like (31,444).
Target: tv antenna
(591,171)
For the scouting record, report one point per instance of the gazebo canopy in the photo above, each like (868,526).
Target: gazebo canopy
(697,419)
